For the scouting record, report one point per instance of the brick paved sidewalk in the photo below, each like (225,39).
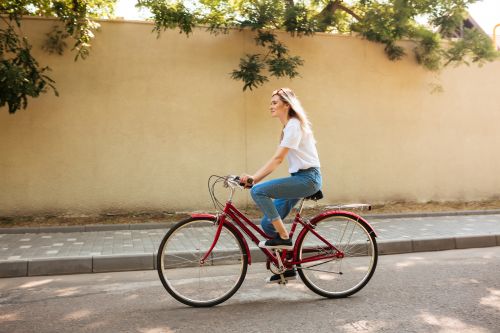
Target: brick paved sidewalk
(119,250)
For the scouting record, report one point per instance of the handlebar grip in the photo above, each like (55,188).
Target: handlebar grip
(248,184)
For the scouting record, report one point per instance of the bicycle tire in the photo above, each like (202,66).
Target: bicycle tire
(188,281)
(355,239)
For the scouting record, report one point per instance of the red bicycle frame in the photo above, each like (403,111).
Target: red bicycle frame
(242,221)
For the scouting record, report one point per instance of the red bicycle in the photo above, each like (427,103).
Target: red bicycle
(202,261)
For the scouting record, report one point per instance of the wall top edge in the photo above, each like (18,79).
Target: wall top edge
(151,23)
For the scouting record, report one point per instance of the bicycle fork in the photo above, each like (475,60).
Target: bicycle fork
(216,239)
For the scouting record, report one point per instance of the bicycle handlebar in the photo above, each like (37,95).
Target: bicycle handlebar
(237,181)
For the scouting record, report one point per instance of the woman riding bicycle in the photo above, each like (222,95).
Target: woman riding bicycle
(202,260)
(299,147)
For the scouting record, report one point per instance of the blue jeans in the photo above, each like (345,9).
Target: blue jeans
(286,192)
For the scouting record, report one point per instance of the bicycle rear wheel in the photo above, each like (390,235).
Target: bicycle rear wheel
(338,277)
(193,283)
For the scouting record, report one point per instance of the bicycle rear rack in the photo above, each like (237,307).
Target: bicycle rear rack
(359,206)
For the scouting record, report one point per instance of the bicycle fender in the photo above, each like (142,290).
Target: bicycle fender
(230,226)
(204,216)
(345,213)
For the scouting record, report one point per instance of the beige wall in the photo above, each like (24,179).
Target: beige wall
(143,122)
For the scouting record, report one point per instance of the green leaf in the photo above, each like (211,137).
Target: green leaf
(250,72)
(474,46)
(265,37)
(21,76)
(279,66)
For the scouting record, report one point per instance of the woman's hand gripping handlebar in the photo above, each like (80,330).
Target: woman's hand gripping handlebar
(245,181)
(236,181)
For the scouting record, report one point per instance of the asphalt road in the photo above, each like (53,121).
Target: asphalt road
(448,291)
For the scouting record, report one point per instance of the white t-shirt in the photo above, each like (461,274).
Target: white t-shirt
(302,153)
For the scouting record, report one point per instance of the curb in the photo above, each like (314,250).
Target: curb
(433,214)
(147,261)
(166,225)
(77,265)
(86,228)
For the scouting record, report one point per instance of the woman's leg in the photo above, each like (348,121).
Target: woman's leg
(289,190)
(268,228)
(279,226)
(273,228)
(283,206)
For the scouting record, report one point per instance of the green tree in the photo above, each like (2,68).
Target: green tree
(382,21)
(20,74)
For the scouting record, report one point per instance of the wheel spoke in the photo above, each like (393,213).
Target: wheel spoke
(321,270)
(318,264)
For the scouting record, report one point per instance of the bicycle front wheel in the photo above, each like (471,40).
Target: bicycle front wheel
(334,277)
(192,282)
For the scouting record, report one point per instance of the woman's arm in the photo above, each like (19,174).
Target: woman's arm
(269,167)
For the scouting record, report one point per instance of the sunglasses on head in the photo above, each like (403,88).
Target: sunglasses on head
(280,92)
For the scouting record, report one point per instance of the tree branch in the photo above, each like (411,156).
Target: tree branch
(5,20)
(75,6)
(349,11)
(332,6)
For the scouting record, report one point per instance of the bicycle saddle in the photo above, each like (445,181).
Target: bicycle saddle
(316,196)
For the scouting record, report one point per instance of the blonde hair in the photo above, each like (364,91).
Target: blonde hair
(296,109)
